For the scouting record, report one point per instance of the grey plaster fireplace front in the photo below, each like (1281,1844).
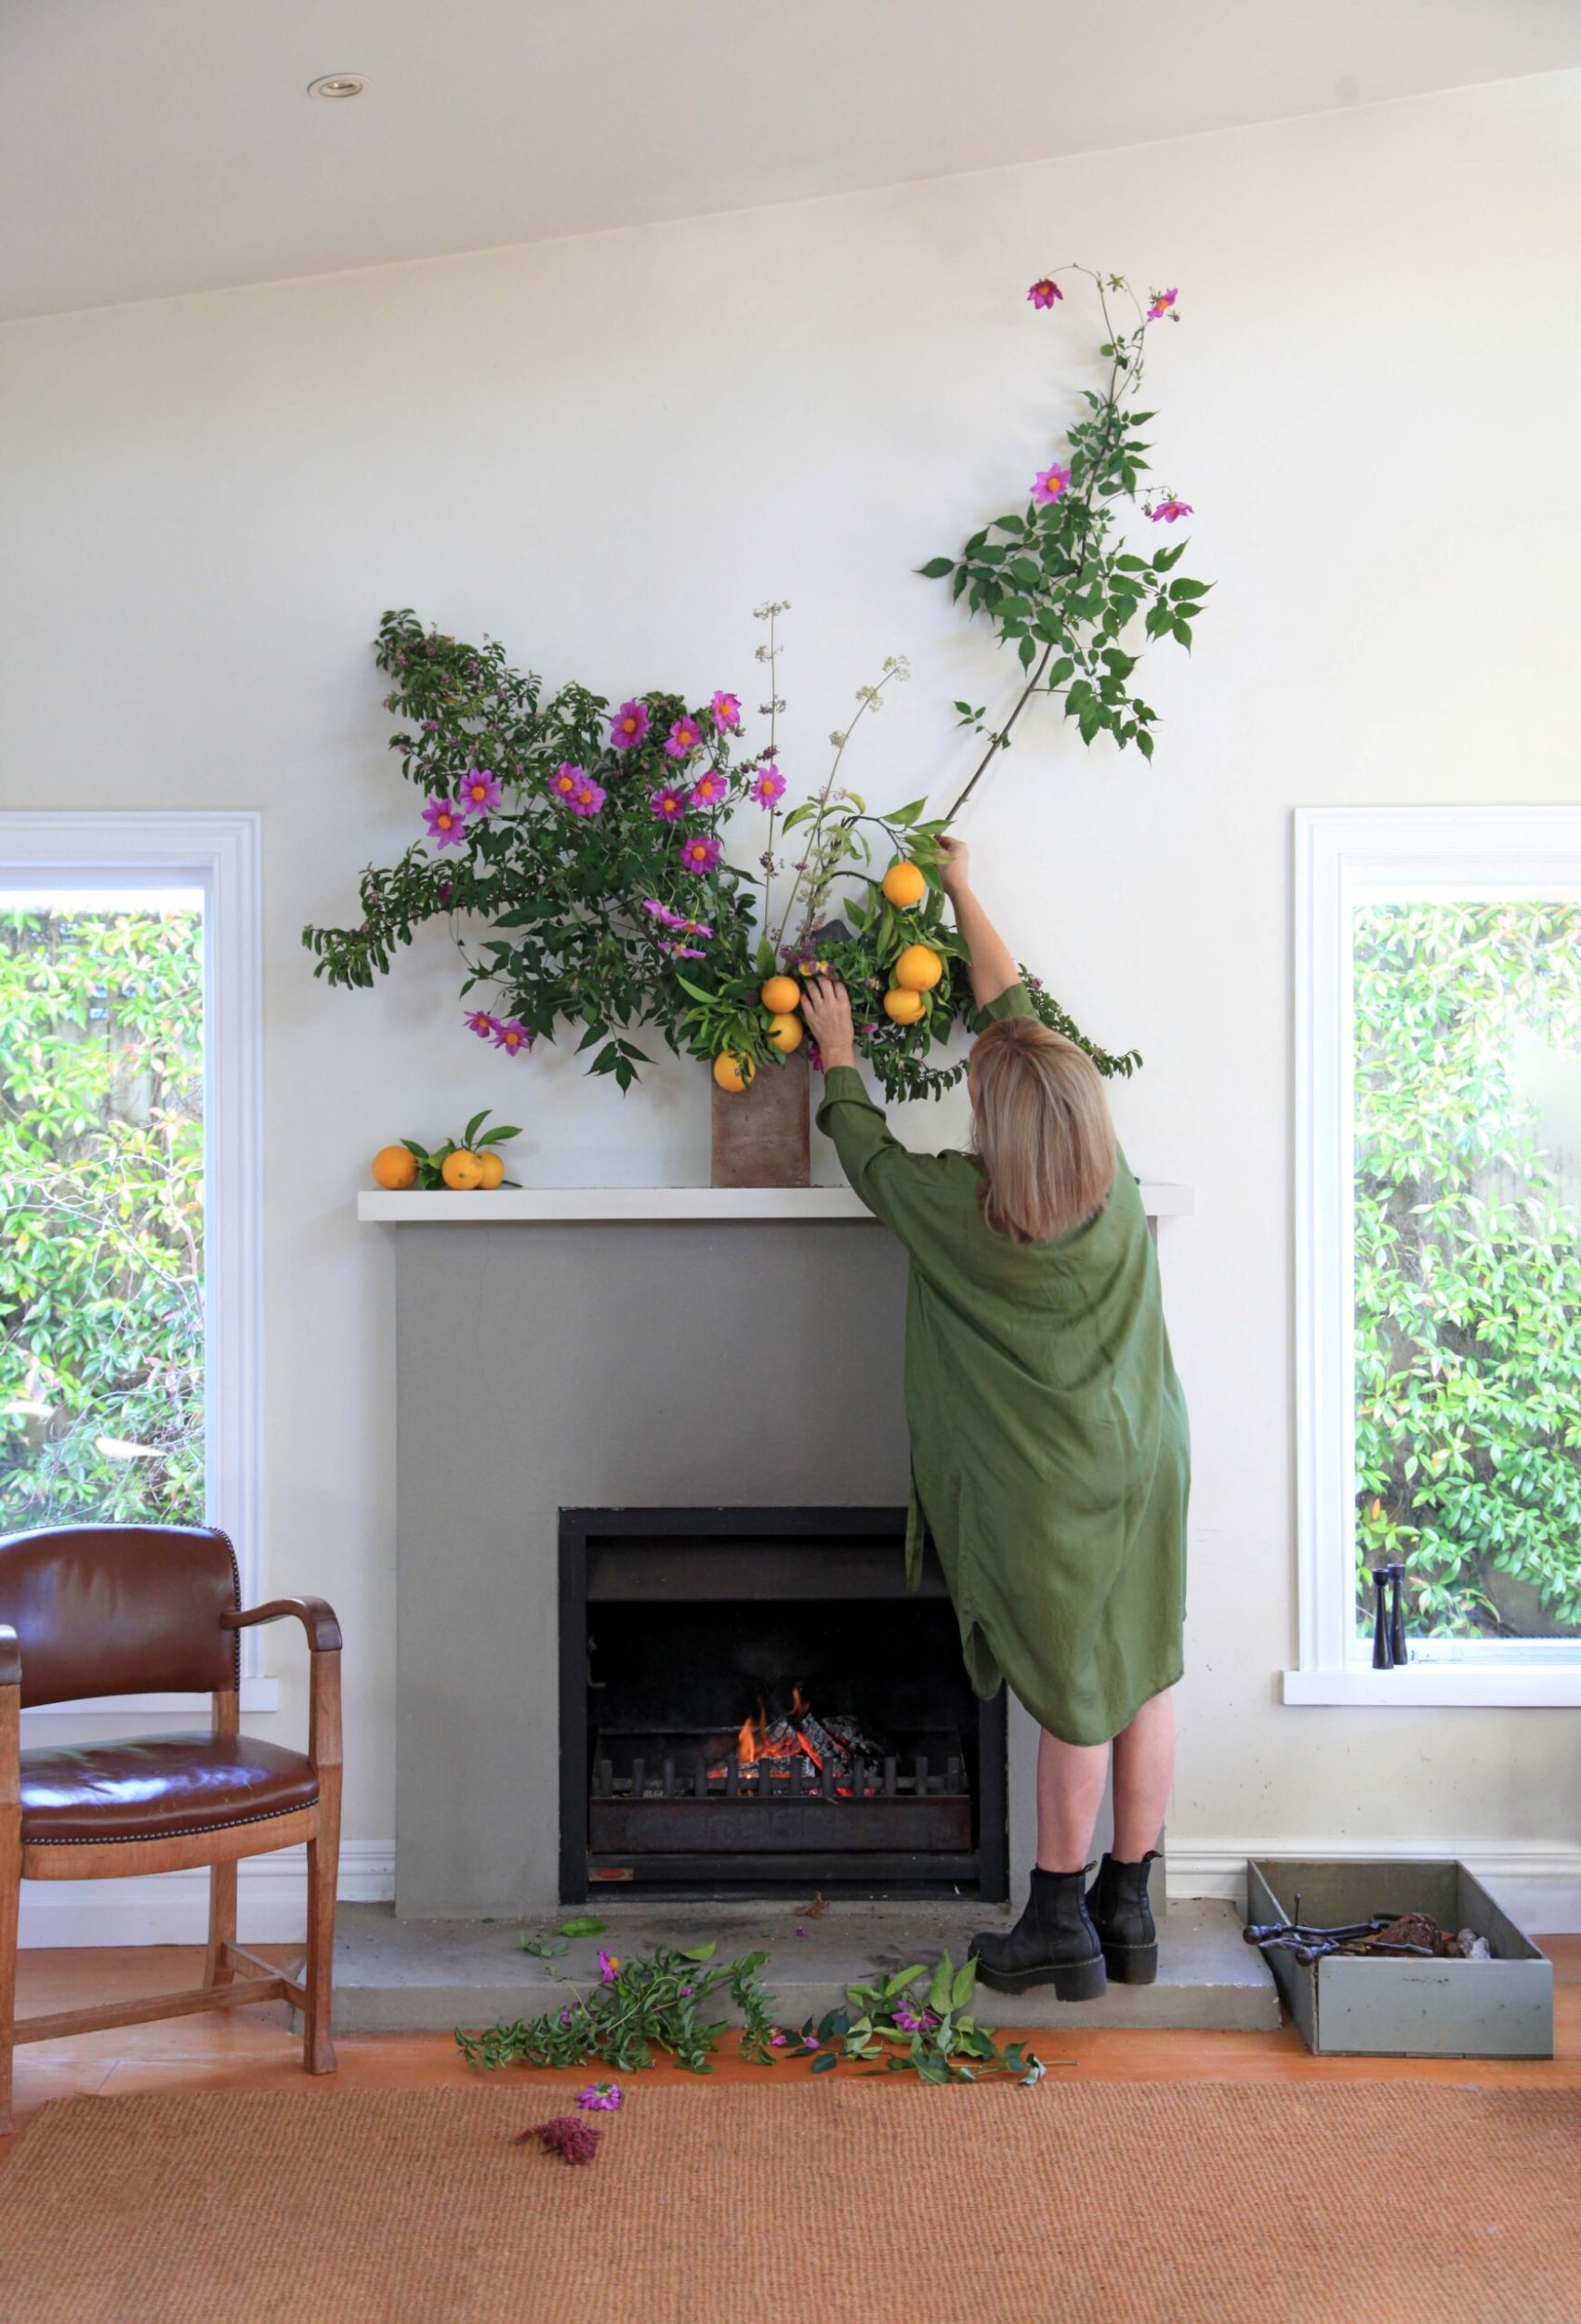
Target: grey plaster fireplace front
(601,1349)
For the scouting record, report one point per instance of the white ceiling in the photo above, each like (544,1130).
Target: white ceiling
(156,146)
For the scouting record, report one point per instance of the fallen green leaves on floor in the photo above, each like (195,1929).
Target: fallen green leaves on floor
(655,2002)
(903,2026)
(916,2021)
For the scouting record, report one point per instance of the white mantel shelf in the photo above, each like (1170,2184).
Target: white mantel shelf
(550,1206)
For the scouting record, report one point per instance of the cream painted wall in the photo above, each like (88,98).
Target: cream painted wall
(606,452)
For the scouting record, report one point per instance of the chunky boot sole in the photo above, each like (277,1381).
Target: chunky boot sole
(1072,1980)
(1131,1964)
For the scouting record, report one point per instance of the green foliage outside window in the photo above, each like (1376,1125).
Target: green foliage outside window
(1467,1285)
(101,1372)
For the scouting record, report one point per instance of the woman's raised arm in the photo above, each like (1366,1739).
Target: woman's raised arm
(993,970)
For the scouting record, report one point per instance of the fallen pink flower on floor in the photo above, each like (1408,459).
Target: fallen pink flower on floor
(565,2136)
(609,1964)
(602,2098)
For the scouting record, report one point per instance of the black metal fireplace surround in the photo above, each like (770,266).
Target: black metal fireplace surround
(751,1701)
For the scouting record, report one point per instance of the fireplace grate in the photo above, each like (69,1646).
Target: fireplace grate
(678,1792)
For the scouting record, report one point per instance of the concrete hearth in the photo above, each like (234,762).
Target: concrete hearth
(409,1975)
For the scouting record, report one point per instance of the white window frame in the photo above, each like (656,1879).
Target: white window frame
(219,854)
(1345,856)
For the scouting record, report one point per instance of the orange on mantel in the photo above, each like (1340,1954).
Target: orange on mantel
(395,1169)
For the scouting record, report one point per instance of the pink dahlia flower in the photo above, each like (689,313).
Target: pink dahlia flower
(668,803)
(602,2097)
(564,780)
(1044,291)
(1049,484)
(710,789)
(479,1021)
(446,825)
(479,791)
(683,738)
(512,1035)
(1170,512)
(700,853)
(588,797)
(628,726)
(769,786)
(727,713)
(1161,303)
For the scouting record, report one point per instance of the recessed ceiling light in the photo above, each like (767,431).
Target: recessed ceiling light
(339,84)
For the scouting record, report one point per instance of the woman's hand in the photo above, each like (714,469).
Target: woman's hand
(955,876)
(825,1004)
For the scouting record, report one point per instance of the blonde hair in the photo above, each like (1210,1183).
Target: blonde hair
(1042,1131)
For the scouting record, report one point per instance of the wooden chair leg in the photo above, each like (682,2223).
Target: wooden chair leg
(323,1867)
(217,1970)
(10,1900)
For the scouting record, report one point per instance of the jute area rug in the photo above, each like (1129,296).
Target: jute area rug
(855,2203)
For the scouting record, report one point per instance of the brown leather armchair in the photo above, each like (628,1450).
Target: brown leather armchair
(88,1610)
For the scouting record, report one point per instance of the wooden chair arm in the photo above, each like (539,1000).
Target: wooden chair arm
(10,1657)
(316,1616)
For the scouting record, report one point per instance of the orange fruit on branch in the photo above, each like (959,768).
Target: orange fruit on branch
(731,1072)
(904,1004)
(394,1168)
(905,884)
(462,1171)
(785,1033)
(918,969)
(780,995)
(491,1169)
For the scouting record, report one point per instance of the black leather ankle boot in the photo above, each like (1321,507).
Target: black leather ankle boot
(1124,1919)
(1053,1943)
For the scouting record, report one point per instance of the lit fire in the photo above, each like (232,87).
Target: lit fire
(755,1742)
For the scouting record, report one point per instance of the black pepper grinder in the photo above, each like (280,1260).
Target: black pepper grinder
(1383,1658)
(1396,1571)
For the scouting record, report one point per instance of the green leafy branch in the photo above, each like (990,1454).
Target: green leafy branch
(1053,580)
(919,2022)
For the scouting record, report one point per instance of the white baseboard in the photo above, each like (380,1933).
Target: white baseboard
(1539,1885)
(171,1907)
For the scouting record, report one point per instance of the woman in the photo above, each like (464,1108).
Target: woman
(1050,1446)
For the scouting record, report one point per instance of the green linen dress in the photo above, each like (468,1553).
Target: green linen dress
(1050,1451)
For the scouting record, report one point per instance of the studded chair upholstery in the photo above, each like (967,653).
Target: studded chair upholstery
(94,1610)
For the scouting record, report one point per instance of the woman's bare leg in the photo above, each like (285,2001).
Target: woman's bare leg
(1144,1767)
(1071,1778)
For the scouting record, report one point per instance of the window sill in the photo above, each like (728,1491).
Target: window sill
(258,1695)
(1442,1686)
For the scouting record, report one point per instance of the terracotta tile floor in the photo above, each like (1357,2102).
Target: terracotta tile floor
(252,2049)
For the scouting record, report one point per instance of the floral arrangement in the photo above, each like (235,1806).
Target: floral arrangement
(579,851)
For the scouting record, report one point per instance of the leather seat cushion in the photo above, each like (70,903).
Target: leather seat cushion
(160,1786)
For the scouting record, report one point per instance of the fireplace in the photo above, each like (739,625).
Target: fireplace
(753,1702)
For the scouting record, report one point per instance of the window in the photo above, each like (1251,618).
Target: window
(129,1171)
(1439,1241)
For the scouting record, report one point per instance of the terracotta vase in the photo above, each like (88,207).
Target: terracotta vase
(761,1133)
